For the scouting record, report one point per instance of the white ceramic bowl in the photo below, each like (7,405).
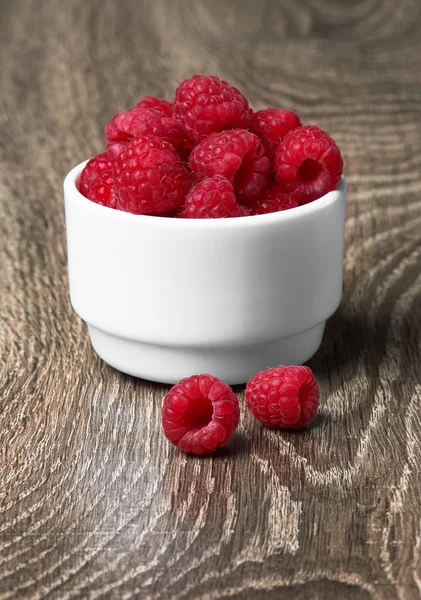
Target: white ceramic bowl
(167,298)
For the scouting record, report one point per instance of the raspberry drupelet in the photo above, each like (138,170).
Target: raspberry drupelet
(245,212)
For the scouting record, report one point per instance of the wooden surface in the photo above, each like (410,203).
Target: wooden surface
(93,502)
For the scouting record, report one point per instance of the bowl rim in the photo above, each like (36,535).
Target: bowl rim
(316,206)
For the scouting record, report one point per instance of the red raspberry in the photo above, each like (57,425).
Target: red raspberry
(92,169)
(149,177)
(141,121)
(308,163)
(102,190)
(273,200)
(211,198)
(285,397)
(271,125)
(119,131)
(237,154)
(200,414)
(158,104)
(205,104)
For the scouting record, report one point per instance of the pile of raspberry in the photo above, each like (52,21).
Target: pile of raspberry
(208,155)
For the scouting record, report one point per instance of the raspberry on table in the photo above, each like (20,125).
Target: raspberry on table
(308,163)
(239,156)
(127,125)
(271,124)
(245,212)
(274,199)
(200,414)
(98,164)
(205,104)
(211,198)
(102,190)
(149,177)
(283,397)
(158,104)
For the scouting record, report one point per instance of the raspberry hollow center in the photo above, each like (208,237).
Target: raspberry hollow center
(309,170)
(199,413)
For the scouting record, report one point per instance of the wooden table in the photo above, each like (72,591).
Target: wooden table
(94,503)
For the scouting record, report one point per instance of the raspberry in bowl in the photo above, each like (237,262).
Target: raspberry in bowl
(166,286)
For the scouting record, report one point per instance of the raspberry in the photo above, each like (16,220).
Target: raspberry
(205,104)
(149,177)
(158,104)
(92,169)
(237,154)
(308,163)
(200,414)
(102,190)
(141,121)
(285,397)
(271,125)
(273,200)
(211,198)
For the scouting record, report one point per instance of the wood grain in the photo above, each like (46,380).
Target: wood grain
(93,502)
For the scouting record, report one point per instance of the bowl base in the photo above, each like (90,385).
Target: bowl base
(234,365)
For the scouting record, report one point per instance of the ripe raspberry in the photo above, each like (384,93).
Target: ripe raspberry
(102,190)
(285,397)
(273,200)
(141,121)
(211,198)
(200,414)
(158,104)
(205,104)
(308,163)
(237,154)
(93,168)
(271,125)
(245,212)
(149,177)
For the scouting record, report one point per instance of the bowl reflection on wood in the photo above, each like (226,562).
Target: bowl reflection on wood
(166,298)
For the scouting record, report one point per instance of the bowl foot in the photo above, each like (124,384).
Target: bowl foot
(234,365)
